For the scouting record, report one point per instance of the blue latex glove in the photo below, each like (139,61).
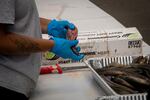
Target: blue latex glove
(59,28)
(78,49)
(62,48)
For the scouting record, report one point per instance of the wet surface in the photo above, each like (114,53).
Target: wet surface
(67,86)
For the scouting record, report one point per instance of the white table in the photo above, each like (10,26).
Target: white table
(78,85)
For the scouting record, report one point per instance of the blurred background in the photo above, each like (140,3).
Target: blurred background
(131,13)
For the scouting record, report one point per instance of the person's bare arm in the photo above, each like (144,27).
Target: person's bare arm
(12,43)
(44,23)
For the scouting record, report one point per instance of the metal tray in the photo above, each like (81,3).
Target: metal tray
(101,62)
(124,97)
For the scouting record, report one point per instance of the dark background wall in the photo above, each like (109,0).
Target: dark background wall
(131,13)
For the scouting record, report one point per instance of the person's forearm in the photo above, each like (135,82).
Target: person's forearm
(12,43)
(44,23)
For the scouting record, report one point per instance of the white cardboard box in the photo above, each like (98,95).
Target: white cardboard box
(104,43)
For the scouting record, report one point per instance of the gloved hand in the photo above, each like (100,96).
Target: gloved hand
(59,28)
(62,48)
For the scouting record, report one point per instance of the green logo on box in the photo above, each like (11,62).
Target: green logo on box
(133,36)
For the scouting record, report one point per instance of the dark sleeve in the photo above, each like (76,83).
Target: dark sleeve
(7,11)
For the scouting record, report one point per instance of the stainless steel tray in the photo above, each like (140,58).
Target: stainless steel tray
(141,96)
(101,62)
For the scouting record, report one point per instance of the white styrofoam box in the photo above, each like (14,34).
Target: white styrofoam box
(125,41)
(67,3)
(53,8)
(48,10)
(97,24)
(106,43)
(79,13)
(71,10)
(83,13)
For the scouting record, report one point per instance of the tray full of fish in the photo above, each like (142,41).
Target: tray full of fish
(122,77)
